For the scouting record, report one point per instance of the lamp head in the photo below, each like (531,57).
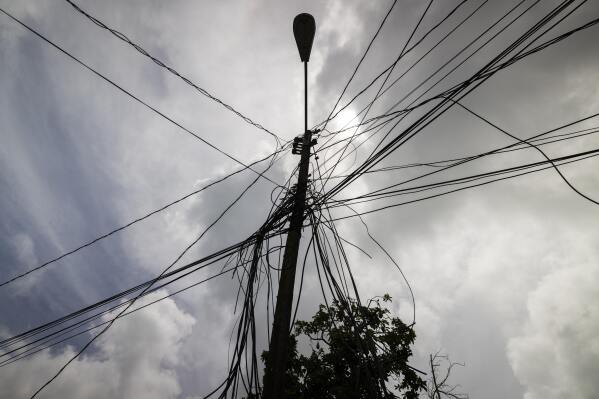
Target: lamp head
(304,28)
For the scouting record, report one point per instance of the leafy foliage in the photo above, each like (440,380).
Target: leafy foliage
(357,352)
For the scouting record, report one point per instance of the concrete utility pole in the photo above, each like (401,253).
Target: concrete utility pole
(303,30)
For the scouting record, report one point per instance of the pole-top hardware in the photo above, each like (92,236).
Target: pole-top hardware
(304,28)
(298,144)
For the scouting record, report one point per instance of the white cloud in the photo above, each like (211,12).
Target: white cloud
(25,251)
(137,357)
(557,355)
(473,268)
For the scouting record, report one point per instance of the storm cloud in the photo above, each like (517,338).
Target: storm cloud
(504,275)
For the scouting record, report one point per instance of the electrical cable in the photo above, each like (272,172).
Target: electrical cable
(359,63)
(141,50)
(131,223)
(568,160)
(445,103)
(131,95)
(532,146)
(112,321)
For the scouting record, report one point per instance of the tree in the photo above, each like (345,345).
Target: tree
(357,352)
(438,386)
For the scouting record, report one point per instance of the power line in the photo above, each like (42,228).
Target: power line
(380,194)
(589,154)
(120,88)
(487,153)
(542,141)
(141,50)
(130,223)
(210,259)
(399,57)
(329,254)
(404,52)
(445,37)
(359,63)
(405,112)
(462,90)
(112,321)
(532,146)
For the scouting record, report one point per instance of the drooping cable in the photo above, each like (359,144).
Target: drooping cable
(133,96)
(165,270)
(141,50)
(131,223)
(532,145)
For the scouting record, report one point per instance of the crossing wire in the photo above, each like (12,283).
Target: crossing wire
(128,93)
(130,223)
(487,121)
(390,71)
(461,161)
(404,112)
(338,289)
(462,90)
(566,160)
(170,69)
(442,163)
(162,273)
(359,63)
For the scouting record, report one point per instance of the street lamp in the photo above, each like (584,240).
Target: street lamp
(304,28)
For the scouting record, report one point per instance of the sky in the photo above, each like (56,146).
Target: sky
(505,276)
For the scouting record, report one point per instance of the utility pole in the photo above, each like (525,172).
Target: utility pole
(304,28)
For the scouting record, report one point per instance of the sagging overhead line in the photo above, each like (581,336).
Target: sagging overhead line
(149,286)
(445,103)
(162,64)
(134,97)
(251,261)
(132,222)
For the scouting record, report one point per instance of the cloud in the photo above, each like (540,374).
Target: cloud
(24,248)
(557,355)
(137,357)
(80,158)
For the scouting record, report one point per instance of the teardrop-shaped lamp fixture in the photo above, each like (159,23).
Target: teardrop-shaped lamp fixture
(304,28)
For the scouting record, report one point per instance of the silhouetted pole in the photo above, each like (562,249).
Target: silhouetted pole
(303,30)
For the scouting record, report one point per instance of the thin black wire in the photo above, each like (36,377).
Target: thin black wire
(359,63)
(404,113)
(445,37)
(214,257)
(460,180)
(203,263)
(132,222)
(141,50)
(487,153)
(390,71)
(441,164)
(60,333)
(566,160)
(489,69)
(532,145)
(390,68)
(395,263)
(222,214)
(128,93)
(248,321)
(464,89)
